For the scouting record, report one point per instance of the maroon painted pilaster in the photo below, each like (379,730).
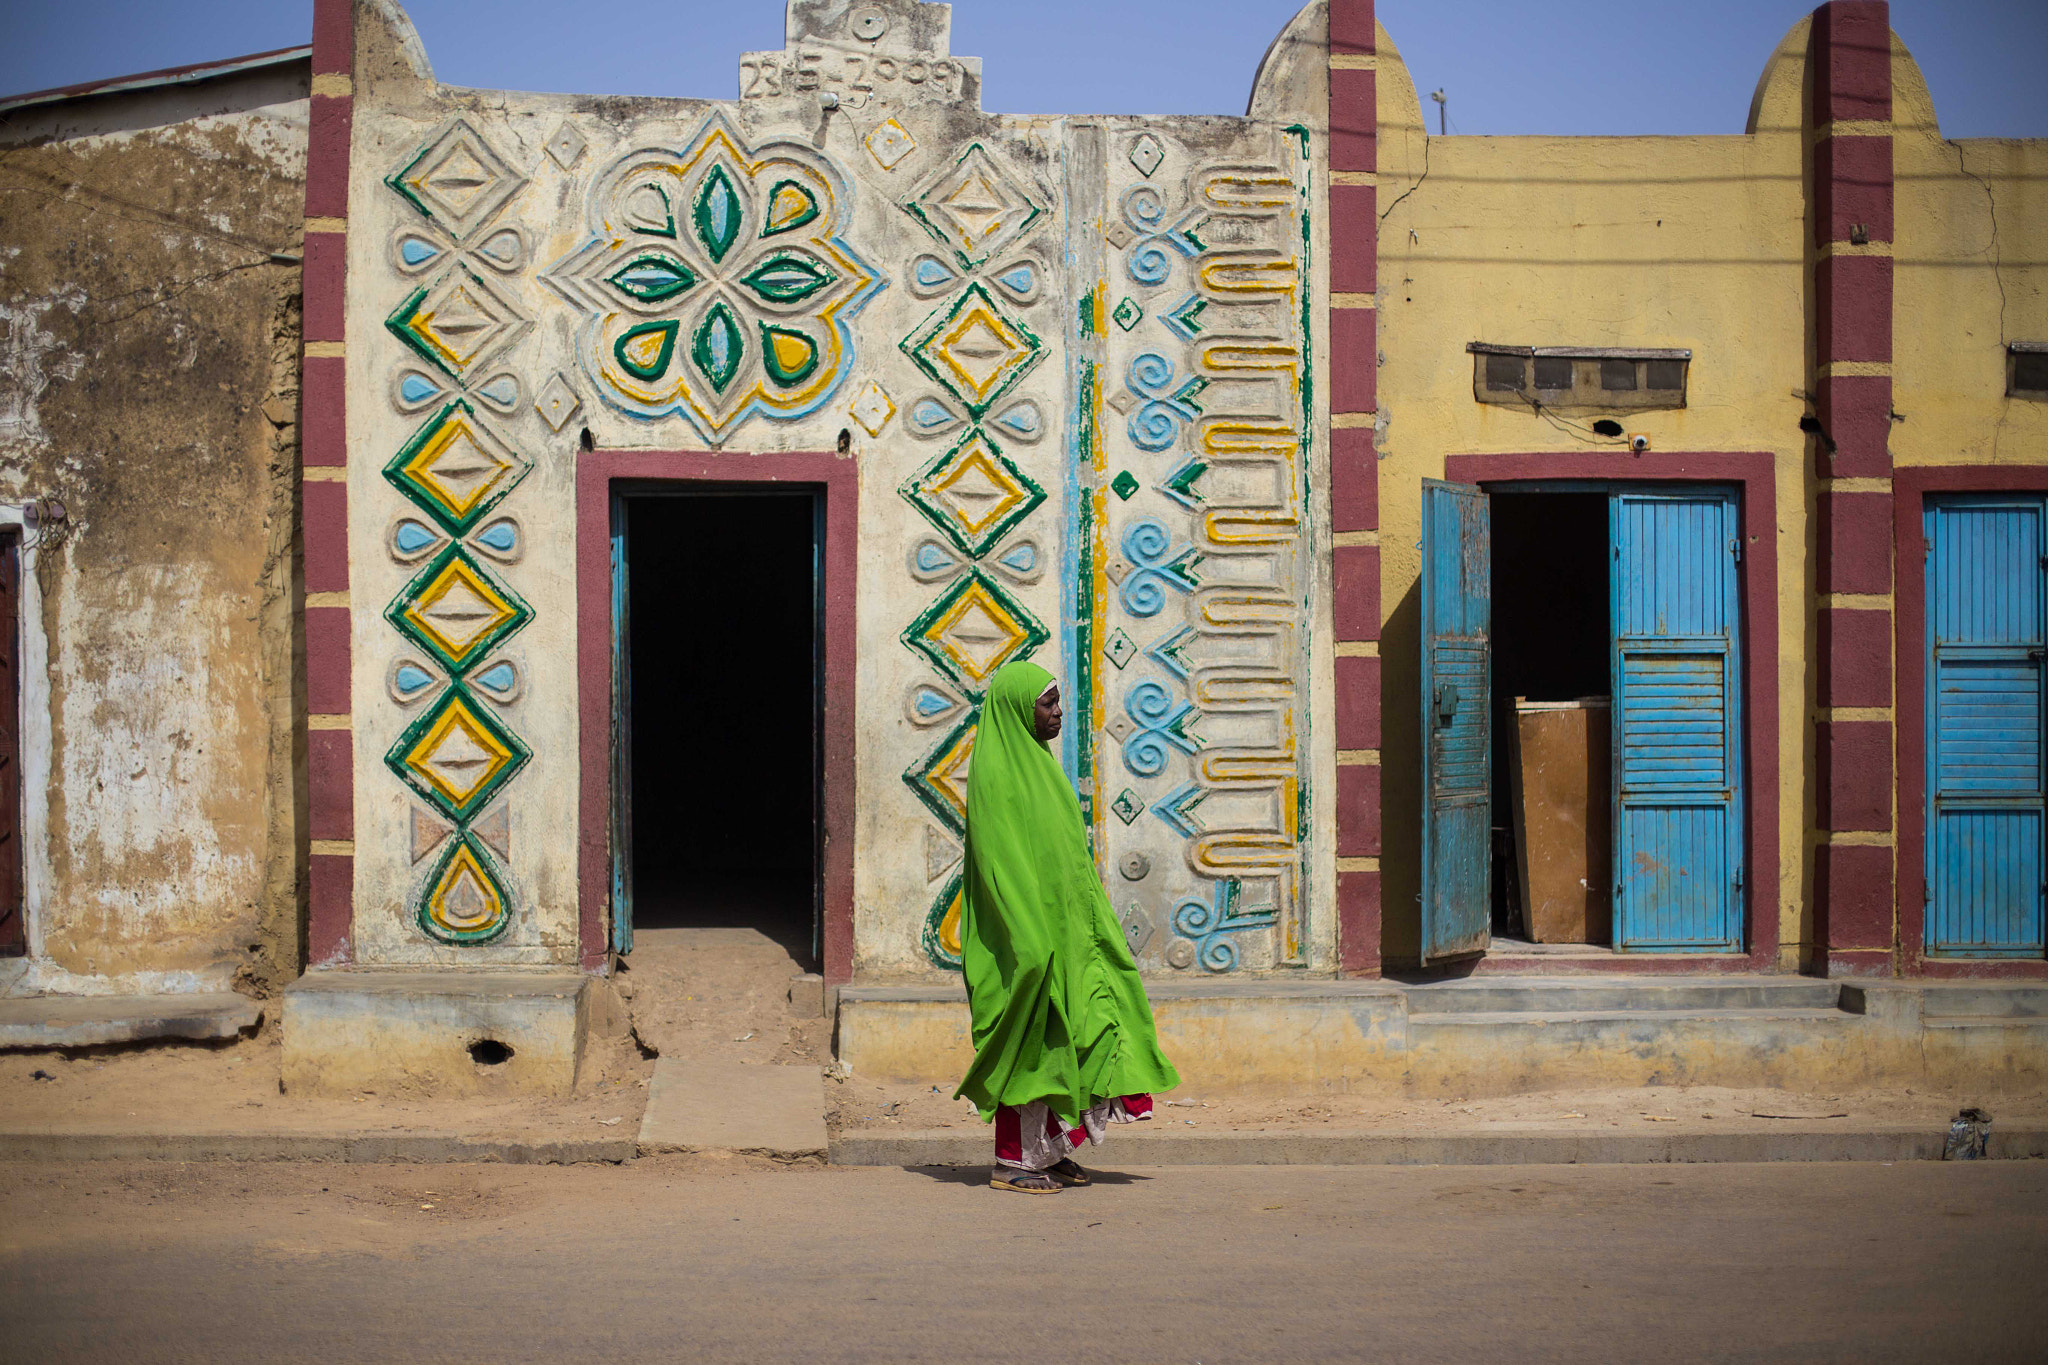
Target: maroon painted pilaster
(323,498)
(1855,551)
(1850,209)
(1352,231)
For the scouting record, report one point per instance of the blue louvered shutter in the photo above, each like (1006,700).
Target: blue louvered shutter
(1677,729)
(1984,732)
(1457,749)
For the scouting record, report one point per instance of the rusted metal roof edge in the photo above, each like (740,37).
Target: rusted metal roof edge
(152,80)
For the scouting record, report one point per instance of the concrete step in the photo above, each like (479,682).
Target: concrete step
(54,1021)
(712,1106)
(1988,1000)
(1648,995)
(1167,1146)
(1421,1024)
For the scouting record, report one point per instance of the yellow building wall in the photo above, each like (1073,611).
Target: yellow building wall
(1695,242)
(1970,273)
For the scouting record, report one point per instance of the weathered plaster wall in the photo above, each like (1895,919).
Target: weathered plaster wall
(1074,359)
(148,379)
(1970,274)
(1641,242)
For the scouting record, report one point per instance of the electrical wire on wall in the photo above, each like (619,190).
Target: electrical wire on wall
(1578,431)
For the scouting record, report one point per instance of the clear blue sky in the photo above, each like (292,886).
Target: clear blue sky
(1508,66)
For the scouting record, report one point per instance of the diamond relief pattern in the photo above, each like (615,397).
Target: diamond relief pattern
(457,180)
(456,612)
(873,408)
(975,349)
(974,629)
(974,207)
(974,494)
(457,756)
(458,321)
(455,468)
(889,143)
(940,781)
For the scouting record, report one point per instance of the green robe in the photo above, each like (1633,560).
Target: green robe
(1059,1012)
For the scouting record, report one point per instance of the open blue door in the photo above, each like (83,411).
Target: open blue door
(1677,725)
(1986,638)
(1457,729)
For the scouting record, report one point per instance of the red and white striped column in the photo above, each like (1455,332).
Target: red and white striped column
(1354,477)
(1850,208)
(323,508)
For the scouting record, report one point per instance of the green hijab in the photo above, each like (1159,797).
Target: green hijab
(1060,1014)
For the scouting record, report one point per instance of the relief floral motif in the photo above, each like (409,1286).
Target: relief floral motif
(716,284)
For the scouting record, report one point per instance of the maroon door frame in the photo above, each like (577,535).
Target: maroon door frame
(1910,487)
(596,473)
(1755,475)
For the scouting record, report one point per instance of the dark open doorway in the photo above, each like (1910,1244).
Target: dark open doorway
(1550,644)
(721,711)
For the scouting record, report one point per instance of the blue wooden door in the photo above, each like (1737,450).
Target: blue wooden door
(1457,749)
(621,737)
(1984,711)
(1677,725)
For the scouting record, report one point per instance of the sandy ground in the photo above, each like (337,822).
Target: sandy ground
(690,1258)
(719,993)
(858,1105)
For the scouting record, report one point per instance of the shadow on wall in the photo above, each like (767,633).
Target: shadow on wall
(1401,785)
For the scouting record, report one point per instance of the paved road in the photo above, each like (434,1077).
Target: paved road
(684,1260)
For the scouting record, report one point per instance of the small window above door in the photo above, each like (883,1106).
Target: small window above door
(1582,378)
(2026,369)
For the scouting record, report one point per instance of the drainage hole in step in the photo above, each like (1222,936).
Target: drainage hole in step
(489,1052)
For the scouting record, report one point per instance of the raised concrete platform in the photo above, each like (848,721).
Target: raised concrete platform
(1145,1146)
(60,1021)
(438,1033)
(1498,1035)
(707,1106)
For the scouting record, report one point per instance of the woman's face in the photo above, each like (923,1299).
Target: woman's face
(1048,715)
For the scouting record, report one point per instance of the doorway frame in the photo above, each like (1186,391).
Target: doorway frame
(1753,475)
(836,478)
(35,737)
(1910,486)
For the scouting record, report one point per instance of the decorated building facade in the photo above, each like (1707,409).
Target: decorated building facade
(1302,447)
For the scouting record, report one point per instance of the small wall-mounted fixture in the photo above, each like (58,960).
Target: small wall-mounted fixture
(1638,442)
(42,514)
(1859,234)
(2026,369)
(1586,378)
(868,23)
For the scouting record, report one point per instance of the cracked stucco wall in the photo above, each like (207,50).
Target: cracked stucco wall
(149,330)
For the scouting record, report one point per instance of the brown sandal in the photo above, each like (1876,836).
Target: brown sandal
(1023,1182)
(1070,1171)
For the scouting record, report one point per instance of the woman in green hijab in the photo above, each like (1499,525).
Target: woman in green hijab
(1064,1043)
